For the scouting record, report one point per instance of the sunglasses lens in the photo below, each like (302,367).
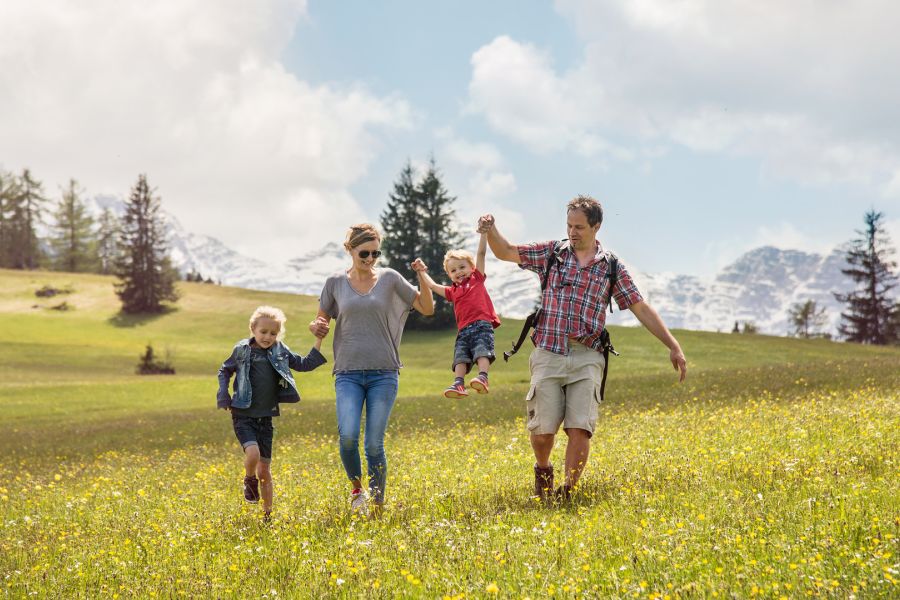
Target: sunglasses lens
(365,254)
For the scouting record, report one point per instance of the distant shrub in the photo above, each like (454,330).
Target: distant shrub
(48,291)
(150,365)
(63,307)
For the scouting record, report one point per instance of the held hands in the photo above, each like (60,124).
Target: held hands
(485,223)
(418,266)
(319,327)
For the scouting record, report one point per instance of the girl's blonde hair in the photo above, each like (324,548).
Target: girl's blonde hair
(459,255)
(360,234)
(269,312)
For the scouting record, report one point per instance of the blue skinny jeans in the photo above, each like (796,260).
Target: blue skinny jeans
(375,390)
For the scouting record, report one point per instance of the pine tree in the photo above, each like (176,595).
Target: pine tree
(108,232)
(401,223)
(439,234)
(73,242)
(31,211)
(871,315)
(807,318)
(147,278)
(10,197)
(418,223)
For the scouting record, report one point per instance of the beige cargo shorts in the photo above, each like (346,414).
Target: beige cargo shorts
(565,390)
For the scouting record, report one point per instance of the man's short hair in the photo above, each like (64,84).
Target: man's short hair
(590,207)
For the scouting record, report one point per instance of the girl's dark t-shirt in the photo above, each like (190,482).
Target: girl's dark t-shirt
(264,381)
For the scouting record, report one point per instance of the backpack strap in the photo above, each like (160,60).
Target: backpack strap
(605,342)
(531,320)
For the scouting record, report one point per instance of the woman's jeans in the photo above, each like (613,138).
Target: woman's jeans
(376,390)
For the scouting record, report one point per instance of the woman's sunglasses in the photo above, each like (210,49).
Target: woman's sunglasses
(365,253)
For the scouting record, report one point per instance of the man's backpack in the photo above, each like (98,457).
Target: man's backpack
(531,321)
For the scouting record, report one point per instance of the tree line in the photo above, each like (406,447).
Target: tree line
(132,247)
(418,222)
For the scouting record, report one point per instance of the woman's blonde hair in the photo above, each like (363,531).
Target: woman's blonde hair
(269,312)
(459,255)
(360,234)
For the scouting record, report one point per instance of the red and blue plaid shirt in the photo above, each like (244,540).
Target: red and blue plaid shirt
(573,305)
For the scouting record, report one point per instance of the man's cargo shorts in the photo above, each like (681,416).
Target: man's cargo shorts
(565,390)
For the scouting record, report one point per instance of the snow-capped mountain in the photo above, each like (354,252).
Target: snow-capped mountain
(760,286)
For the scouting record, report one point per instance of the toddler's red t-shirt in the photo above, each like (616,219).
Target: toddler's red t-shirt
(471,301)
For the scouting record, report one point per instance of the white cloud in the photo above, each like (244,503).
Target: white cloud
(810,88)
(194,95)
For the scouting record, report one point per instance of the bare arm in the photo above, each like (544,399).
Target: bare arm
(435,287)
(650,319)
(424,302)
(482,252)
(501,248)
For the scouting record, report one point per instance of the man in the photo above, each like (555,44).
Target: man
(567,364)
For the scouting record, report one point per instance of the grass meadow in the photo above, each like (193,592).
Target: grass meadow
(772,472)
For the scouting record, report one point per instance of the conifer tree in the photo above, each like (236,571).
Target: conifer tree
(146,276)
(108,231)
(31,212)
(871,315)
(438,235)
(401,223)
(418,223)
(73,243)
(10,196)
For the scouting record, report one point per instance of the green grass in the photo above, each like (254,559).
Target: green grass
(773,470)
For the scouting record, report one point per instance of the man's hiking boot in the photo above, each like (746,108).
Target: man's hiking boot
(479,384)
(543,481)
(456,390)
(251,489)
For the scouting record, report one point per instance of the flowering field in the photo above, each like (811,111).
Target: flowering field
(773,471)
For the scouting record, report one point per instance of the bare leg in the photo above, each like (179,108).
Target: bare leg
(251,459)
(264,473)
(577,451)
(484,363)
(542,444)
(460,369)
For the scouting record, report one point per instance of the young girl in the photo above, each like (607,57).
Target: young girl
(475,318)
(262,364)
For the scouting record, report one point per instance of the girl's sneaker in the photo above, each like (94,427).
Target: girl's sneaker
(359,503)
(456,390)
(479,384)
(251,489)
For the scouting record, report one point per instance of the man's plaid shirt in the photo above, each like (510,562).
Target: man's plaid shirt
(574,302)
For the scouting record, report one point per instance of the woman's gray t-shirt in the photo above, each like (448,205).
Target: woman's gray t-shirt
(368,326)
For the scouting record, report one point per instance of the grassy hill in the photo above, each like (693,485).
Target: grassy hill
(774,467)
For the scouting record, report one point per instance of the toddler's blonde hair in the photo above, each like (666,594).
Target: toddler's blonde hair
(269,312)
(360,234)
(459,255)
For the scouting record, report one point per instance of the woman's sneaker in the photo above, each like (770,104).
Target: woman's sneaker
(456,390)
(251,489)
(359,503)
(479,383)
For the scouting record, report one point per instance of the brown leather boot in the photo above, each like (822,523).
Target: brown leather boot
(543,481)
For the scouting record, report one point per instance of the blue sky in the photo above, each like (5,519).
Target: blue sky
(704,128)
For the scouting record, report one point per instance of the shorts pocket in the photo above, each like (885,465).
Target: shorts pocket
(531,419)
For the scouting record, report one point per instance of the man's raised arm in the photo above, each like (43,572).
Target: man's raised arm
(501,248)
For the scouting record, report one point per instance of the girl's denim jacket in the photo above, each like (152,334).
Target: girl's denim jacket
(282,360)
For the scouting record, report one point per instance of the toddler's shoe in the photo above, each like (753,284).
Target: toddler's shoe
(479,383)
(456,390)
(251,489)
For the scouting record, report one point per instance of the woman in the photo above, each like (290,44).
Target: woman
(370,307)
